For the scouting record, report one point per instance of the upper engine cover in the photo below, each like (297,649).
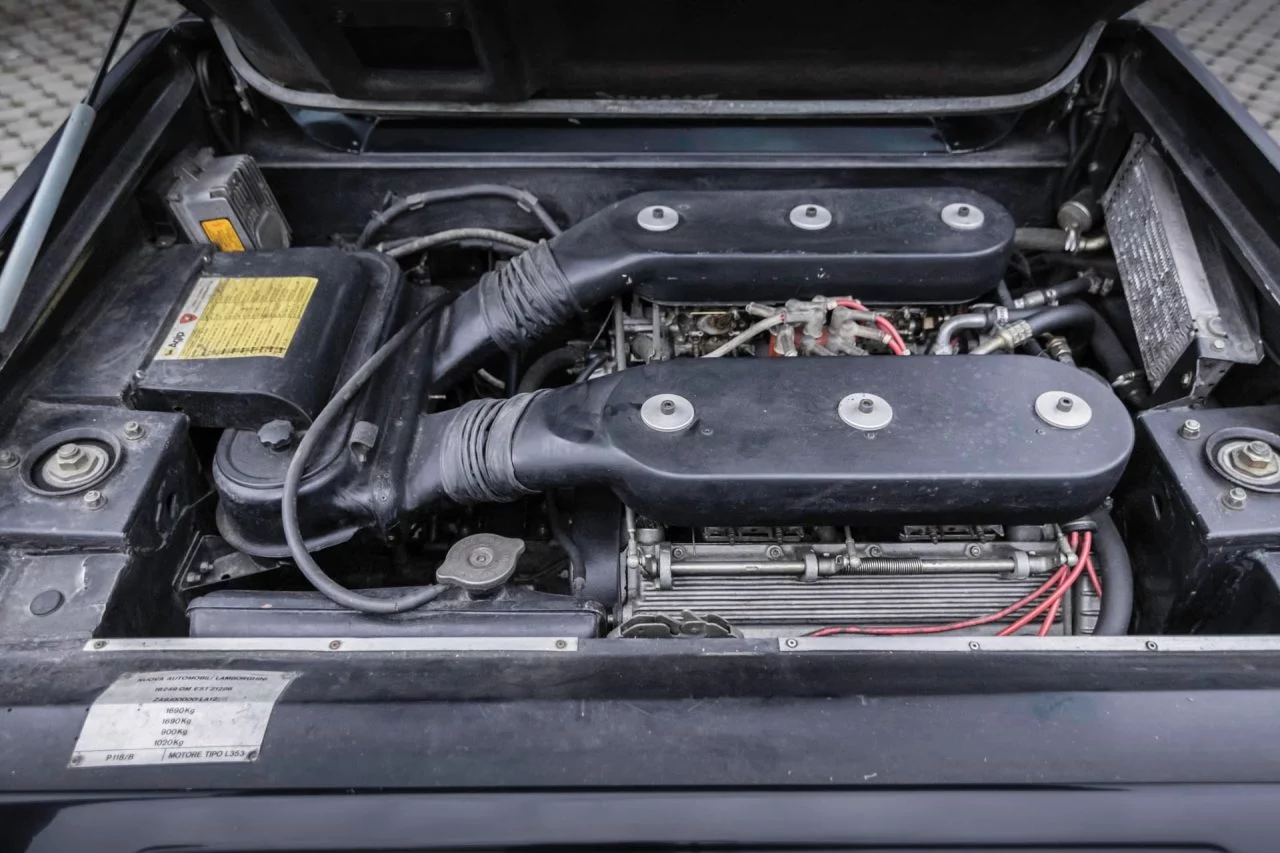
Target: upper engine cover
(899,245)
(767,443)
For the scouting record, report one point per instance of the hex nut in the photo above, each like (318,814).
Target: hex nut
(1235,498)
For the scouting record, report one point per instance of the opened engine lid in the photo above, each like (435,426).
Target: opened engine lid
(659,57)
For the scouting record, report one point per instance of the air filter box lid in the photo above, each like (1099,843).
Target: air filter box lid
(263,336)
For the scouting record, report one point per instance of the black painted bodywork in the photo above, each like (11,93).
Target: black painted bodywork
(652,715)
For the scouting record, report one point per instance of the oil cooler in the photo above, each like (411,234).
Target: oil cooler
(1190,321)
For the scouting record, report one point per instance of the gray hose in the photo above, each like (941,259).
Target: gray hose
(942,346)
(457,235)
(526,200)
(1117,578)
(310,569)
(747,334)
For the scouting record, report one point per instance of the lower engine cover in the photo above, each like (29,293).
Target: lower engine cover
(766,442)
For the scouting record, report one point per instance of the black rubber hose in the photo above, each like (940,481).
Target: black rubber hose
(1107,266)
(1040,239)
(593,364)
(1055,293)
(560,533)
(1031,347)
(310,569)
(1074,316)
(1003,295)
(542,369)
(1107,348)
(526,200)
(1117,578)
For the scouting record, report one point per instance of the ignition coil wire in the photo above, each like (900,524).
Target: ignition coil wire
(1057,586)
(953,626)
(1055,597)
(895,343)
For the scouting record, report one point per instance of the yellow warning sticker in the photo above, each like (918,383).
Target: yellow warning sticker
(238,318)
(222,234)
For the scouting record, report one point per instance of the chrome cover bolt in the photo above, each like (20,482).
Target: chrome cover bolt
(810,217)
(1235,498)
(658,217)
(95,499)
(974,550)
(1190,429)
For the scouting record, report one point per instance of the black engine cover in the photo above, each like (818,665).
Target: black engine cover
(883,245)
(767,446)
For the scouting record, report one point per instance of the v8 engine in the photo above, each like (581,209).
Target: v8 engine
(694,413)
(738,412)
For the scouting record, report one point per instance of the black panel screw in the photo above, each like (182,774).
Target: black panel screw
(1065,404)
(866,405)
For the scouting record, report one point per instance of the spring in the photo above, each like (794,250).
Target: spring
(885,566)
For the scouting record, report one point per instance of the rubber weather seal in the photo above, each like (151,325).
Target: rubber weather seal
(668,108)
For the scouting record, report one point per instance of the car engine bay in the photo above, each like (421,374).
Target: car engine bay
(326,403)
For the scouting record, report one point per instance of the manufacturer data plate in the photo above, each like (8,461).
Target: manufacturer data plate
(238,318)
(180,717)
